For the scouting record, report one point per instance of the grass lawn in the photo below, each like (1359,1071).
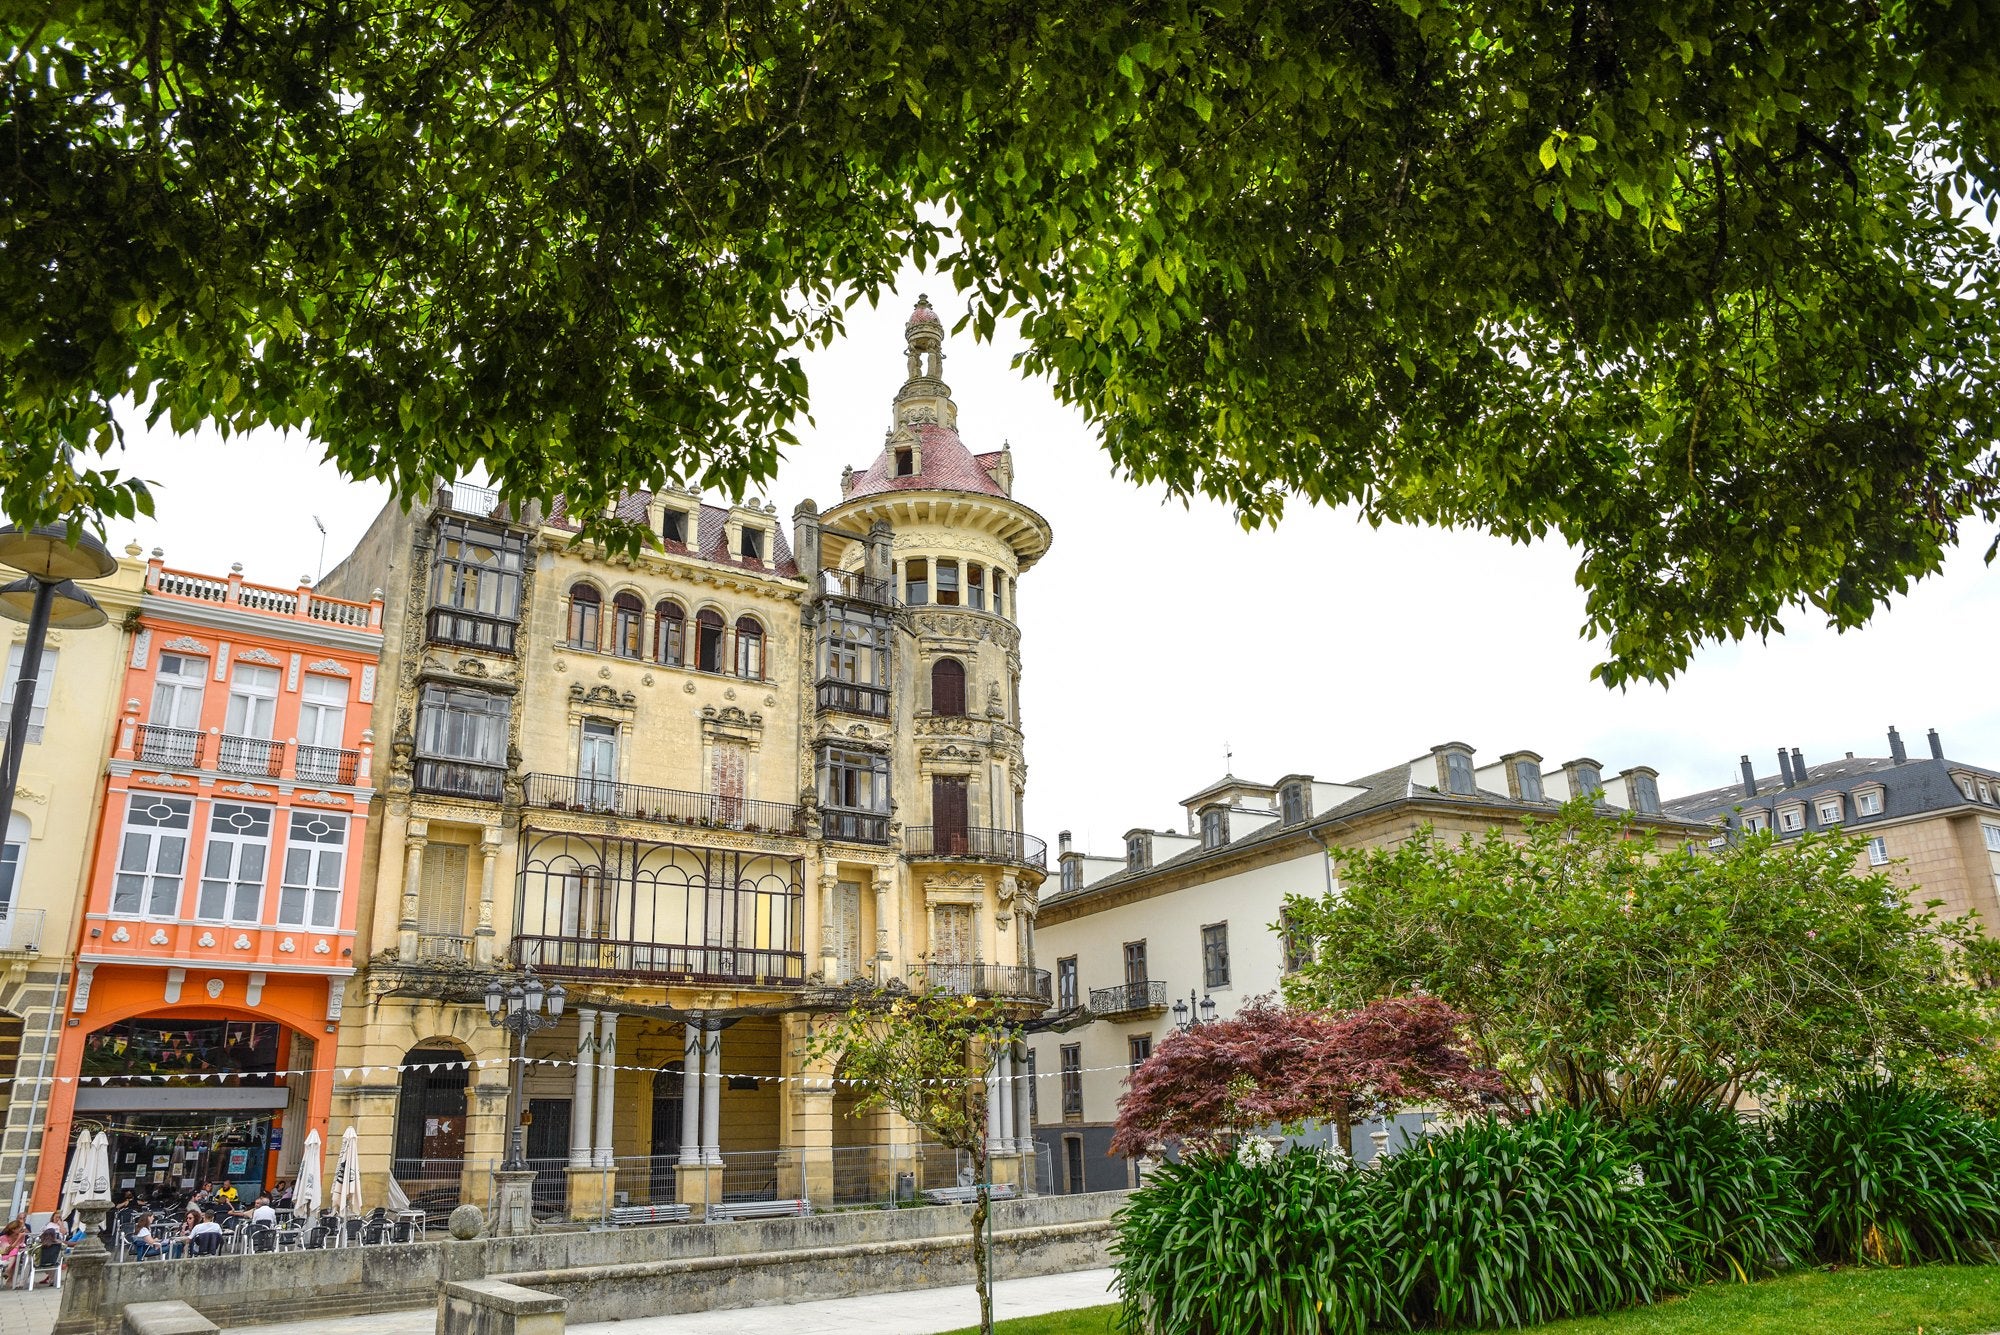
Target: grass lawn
(1925,1300)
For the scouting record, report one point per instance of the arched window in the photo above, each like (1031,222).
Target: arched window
(669,633)
(586,605)
(708,640)
(948,687)
(749,648)
(628,616)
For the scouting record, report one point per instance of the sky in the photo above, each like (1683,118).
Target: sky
(1161,643)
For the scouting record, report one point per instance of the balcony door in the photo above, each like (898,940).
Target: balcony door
(322,729)
(847,928)
(951,952)
(441,899)
(948,812)
(253,709)
(597,764)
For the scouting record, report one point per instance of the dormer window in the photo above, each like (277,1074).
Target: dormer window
(1755,822)
(750,544)
(1138,852)
(1965,786)
(674,526)
(1458,773)
(1868,802)
(1791,819)
(1644,791)
(1292,802)
(1829,810)
(1528,779)
(1585,780)
(1985,791)
(906,462)
(1214,827)
(1072,873)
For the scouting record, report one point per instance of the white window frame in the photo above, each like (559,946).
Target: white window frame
(1755,822)
(38,712)
(1878,851)
(175,690)
(323,722)
(1791,819)
(13,861)
(310,888)
(1868,802)
(1985,791)
(140,856)
(1992,833)
(1832,804)
(246,872)
(253,692)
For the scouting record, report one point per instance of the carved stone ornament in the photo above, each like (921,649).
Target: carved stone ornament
(470,667)
(860,732)
(770,702)
(562,665)
(158,938)
(244,790)
(242,942)
(263,656)
(213,988)
(120,935)
(165,780)
(645,679)
(205,940)
(322,948)
(688,687)
(322,799)
(328,667)
(186,644)
(286,947)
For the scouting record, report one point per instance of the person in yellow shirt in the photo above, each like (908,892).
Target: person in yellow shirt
(226,1193)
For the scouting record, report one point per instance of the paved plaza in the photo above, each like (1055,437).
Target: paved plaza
(920,1312)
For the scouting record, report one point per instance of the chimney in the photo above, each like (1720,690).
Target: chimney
(805,545)
(1062,843)
(1798,766)
(1785,767)
(1896,751)
(1749,778)
(1937,746)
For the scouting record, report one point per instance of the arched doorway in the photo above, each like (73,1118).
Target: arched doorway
(430,1116)
(669,1108)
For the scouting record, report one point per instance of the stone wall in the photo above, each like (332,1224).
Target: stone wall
(611,1274)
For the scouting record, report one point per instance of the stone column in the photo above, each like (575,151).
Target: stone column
(413,878)
(993,1131)
(711,1098)
(580,1120)
(482,933)
(691,1093)
(884,958)
(829,947)
(607,1087)
(1024,1124)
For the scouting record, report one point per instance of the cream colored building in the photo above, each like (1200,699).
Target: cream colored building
(707,789)
(1188,916)
(45,860)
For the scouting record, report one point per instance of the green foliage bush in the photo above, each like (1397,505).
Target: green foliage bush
(1895,1175)
(1515,1224)
(1217,1246)
(1735,1198)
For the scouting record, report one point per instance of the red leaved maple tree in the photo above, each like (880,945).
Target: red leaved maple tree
(1269,1065)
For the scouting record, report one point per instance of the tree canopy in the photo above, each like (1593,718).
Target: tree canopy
(1695,285)
(1596,967)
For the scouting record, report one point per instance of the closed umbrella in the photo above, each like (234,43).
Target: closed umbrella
(97,1186)
(306,1190)
(347,1175)
(73,1178)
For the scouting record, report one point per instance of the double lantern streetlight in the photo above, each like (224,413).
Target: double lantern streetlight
(522,1009)
(47,598)
(1187,1014)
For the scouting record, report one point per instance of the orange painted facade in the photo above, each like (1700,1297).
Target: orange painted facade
(218,930)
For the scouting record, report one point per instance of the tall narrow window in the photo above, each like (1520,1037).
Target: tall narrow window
(253,701)
(1458,773)
(1293,800)
(975,586)
(906,461)
(1072,1084)
(1215,955)
(1646,795)
(947,583)
(1066,993)
(1138,852)
(999,594)
(749,649)
(628,617)
(1072,873)
(674,526)
(177,689)
(708,640)
(585,609)
(669,633)
(948,687)
(1141,1048)
(1214,827)
(1135,962)
(322,729)
(1528,778)
(315,851)
(44,683)
(12,850)
(597,763)
(232,870)
(916,581)
(152,856)
(1588,780)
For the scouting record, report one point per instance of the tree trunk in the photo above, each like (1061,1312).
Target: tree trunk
(982,1221)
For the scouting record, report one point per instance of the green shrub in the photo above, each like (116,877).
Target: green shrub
(1895,1175)
(1511,1225)
(1736,1198)
(1219,1246)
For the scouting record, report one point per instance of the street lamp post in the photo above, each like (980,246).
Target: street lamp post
(47,599)
(1187,1014)
(521,1009)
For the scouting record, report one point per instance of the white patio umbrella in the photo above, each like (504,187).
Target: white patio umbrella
(97,1182)
(306,1190)
(73,1177)
(347,1176)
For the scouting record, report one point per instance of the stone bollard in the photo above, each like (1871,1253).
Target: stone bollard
(83,1287)
(513,1203)
(494,1307)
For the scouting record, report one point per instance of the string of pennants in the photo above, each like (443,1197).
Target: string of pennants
(481,1063)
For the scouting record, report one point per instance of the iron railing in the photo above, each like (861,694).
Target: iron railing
(21,929)
(975,842)
(854,698)
(1148,994)
(577,956)
(665,806)
(178,747)
(325,764)
(852,584)
(856,827)
(1011,982)
(254,757)
(460,778)
(471,630)
(468,498)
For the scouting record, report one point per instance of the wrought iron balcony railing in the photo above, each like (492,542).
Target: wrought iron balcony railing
(460,778)
(178,748)
(856,827)
(1149,994)
(665,806)
(1006,982)
(253,757)
(471,630)
(325,764)
(577,956)
(852,584)
(854,698)
(976,843)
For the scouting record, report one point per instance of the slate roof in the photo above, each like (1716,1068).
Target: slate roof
(943,464)
(711,539)
(1909,788)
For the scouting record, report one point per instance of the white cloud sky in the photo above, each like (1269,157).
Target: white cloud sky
(1154,635)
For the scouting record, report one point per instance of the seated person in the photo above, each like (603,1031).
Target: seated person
(205,1238)
(13,1246)
(144,1245)
(260,1213)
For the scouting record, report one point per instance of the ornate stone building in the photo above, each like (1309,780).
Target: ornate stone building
(707,788)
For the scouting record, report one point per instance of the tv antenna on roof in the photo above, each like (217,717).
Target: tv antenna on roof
(321,568)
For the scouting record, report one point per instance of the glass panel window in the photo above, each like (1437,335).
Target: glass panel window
(1141,1047)
(1868,803)
(478,571)
(708,640)
(38,712)
(315,852)
(999,594)
(1138,853)
(1646,795)
(1293,800)
(1878,848)
(749,649)
(1992,833)
(674,526)
(975,586)
(947,583)
(597,762)
(1792,819)
(1214,828)
(1528,778)
(586,609)
(1754,821)
(1297,946)
(1588,780)
(856,780)
(253,701)
(856,648)
(1215,955)
(1072,874)
(1066,993)
(12,851)
(1072,1079)
(177,689)
(152,855)
(750,543)
(458,723)
(1135,962)
(916,582)
(1829,811)
(669,633)
(232,869)
(628,618)
(1458,773)
(322,711)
